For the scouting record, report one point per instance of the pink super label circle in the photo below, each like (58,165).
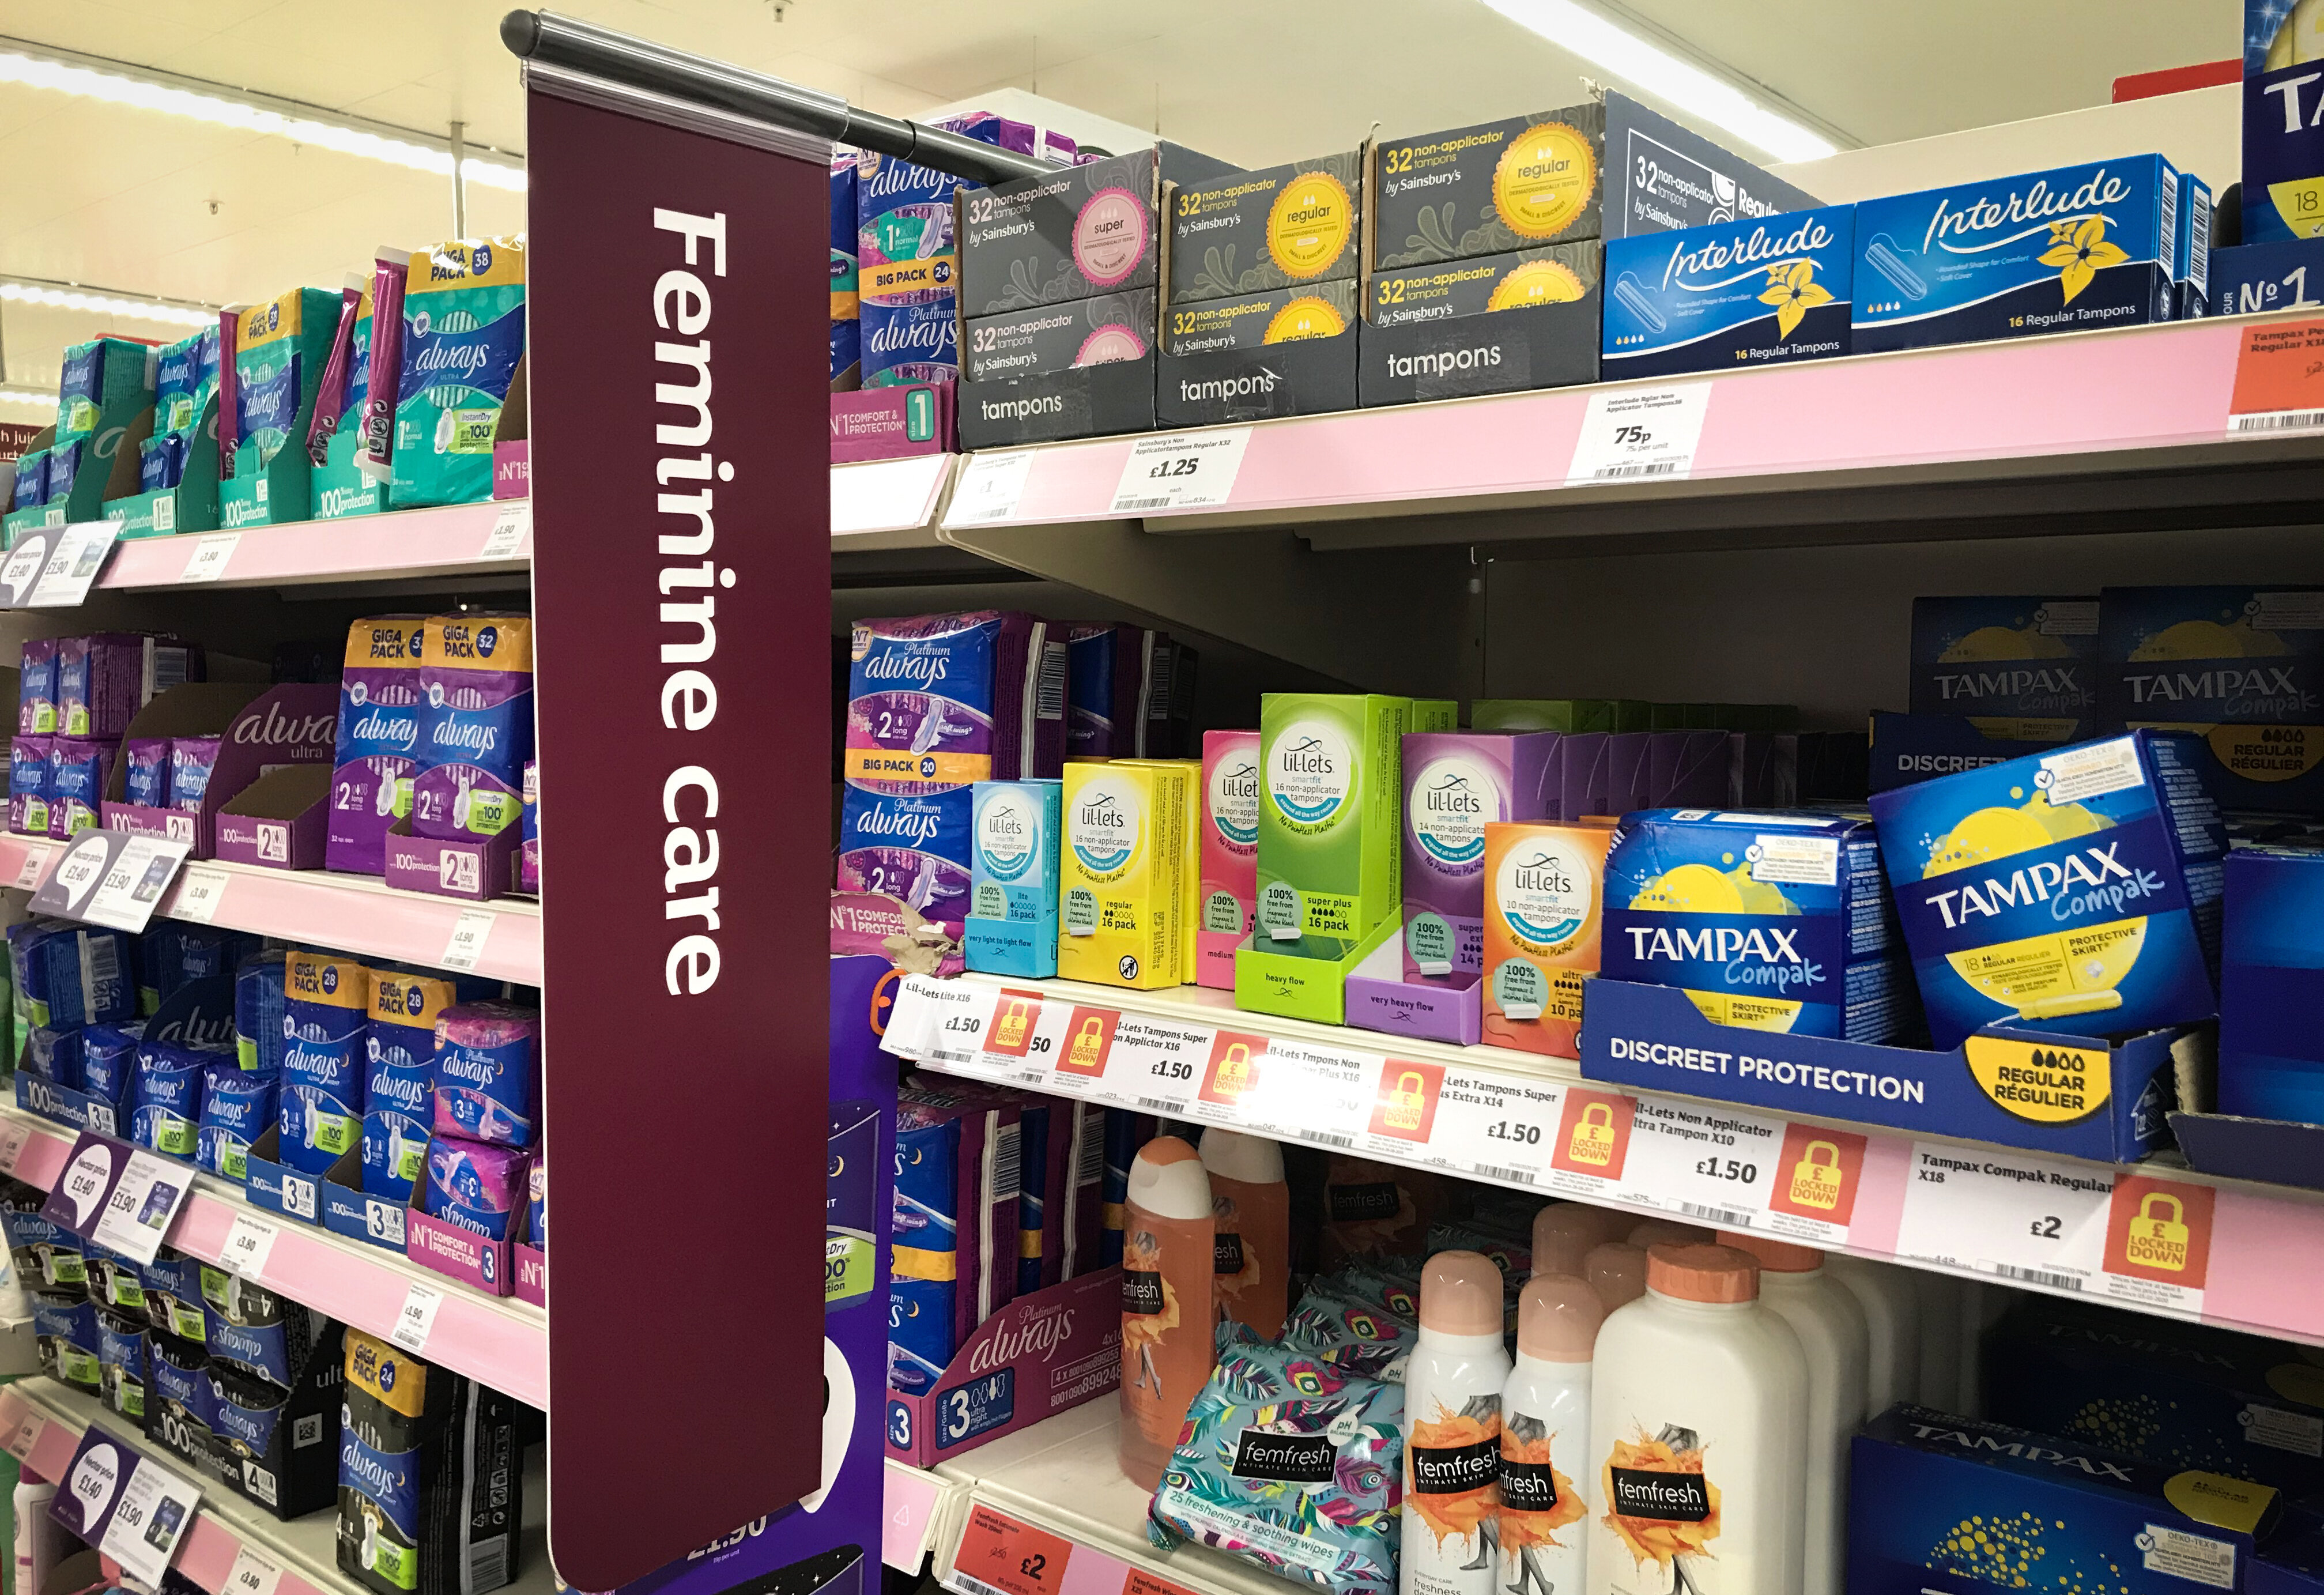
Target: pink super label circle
(1112,341)
(1110,235)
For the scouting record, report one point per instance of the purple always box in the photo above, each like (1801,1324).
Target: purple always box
(477,870)
(891,423)
(512,469)
(261,730)
(463,1254)
(1032,1359)
(531,1274)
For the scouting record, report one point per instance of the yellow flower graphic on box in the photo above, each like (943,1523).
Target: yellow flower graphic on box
(1793,291)
(2079,250)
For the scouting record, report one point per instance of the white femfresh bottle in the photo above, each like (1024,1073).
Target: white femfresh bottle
(1832,1338)
(1452,1428)
(1698,1388)
(1547,1492)
(1564,1231)
(1892,1323)
(1941,1339)
(1668,1232)
(1617,1271)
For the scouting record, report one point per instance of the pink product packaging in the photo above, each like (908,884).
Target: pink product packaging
(476,1187)
(375,455)
(331,397)
(191,761)
(488,1072)
(147,772)
(1229,854)
(1455,784)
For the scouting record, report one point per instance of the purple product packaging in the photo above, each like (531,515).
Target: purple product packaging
(191,760)
(1111,675)
(1687,769)
(377,743)
(476,1187)
(540,1204)
(903,211)
(78,770)
(36,690)
(146,777)
(903,344)
(528,858)
(476,722)
(916,846)
(29,786)
(165,1107)
(325,1020)
(104,679)
(331,394)
(375,453)
(488,1073)
(937,702)
(954,1223)
(1455,784)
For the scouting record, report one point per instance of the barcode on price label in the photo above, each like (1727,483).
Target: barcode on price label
(416,1318)
(252,1574)
(210,558)
(200,893)
(510,525)
(249,1242)
(2282,420)
(14,1139)
(469,933)
(28,873)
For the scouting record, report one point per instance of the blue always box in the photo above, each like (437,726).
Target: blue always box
(1753,292)
(2069,250)
(1012,920)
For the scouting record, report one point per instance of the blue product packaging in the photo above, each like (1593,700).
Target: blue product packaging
(108,1061)
(115,1280)
(2075,892)
(120,1363)
(474,1187)
(1124,1133)
(1109,690)
(538,1209)
(248,1325)
(172,955)
(165,1107)
(53,1056)
(237,1108)
(1940,1505)
(912,846)
(30,787)
(2194,271)
(45,1254)
(1908,748)
(2272,984)
(64,1332)
(400,1077)
(2241,668)
(181,1400)
(2283,122)
(955,1227)
(1012,922)
(64,468)
(321,1105)
(2019,669)
(903,344)
(462,338)
(475,724)
(1756,292)
(32,483)
(488,1073)
(174,1296)
(78,768)
(2253,279)
(160,462)
(259,1005)
(68,977)
(2067,250)
(1767,921)
(145,772)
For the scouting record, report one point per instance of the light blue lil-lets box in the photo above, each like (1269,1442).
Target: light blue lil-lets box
(2069,250)
(1012,921)
(1768,291)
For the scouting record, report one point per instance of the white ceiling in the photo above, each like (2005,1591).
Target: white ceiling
(148,203)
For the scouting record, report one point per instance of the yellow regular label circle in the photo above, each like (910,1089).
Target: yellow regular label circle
(1305,318)
(1536,283)
(1544,179)
(1310,223)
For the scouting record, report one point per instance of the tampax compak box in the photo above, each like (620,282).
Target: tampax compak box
(1766,291)
(1940,1505)
(1121,895)
(1073,234)
(2241,667)
(2253,279)
(1230,852)
(2021,669)
(2077,891)
(1544,896)
(2068,250)
(1487,189)
(2284,137)
(1013,919)
(1908,748)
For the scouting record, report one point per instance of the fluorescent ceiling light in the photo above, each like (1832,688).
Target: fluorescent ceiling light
(1650,67)
(224,107)
(31,398)
(106,304)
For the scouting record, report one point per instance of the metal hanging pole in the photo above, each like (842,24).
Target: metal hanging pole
(459,179)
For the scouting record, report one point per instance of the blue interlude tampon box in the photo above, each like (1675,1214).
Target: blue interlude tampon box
(2068,250)
(1755,292)
(1012,921)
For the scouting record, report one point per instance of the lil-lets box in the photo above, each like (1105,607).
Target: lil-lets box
(1013,908)
(2069,250)
(1457,783)
(1724,298)
(1230,851)
(1544,896)
(1330,866)
(1122,907)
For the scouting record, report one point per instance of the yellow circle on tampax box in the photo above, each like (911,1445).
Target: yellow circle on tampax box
(1310,223)
(1536,283)
(1304,317)
(1545,176)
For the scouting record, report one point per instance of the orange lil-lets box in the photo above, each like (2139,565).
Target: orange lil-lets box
(1544,885)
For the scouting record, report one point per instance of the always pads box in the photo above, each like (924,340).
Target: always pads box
(1032,1359)
(1722,298)
(1498,186)
(957,1166)
(1767,921)
(1086,230)
(2284,140)
(2271,981)
(431,1477)
(2176,1395)
(1247,232)
(2019,669)
(2242,667)
(277,1444)
(2075,890)
(937,702)
(1950,1506)
(2253,279)
(1049,338)
(2068,250)
(1114,672)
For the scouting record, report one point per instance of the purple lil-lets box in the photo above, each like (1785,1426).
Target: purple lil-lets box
(1455,784)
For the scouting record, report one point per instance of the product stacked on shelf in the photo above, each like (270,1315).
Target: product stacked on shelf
(76,698)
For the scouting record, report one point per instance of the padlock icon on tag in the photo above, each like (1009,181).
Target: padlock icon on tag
(1088,1044)
(1593,1138)
(1816,1181)
(2157,1242)
(1405,1103)
(1009,1029)
(1234,1071)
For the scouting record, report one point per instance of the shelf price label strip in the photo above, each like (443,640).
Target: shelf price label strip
(2073,1228)
(1002,1554)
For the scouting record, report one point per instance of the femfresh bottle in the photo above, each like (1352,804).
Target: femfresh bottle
(1251,1207)
(1892,1323)
(1832,1338)
(1698,1433)
(1547,1494)
(1564,1231)
(1452,1428)
(1167,1247)
(1650,1232)
(1617,1271)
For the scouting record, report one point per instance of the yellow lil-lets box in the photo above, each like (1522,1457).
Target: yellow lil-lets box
(1121,874)
(1190,863)
(1545,886)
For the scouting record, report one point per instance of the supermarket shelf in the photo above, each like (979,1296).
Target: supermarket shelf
(44,1421)
(889,504)
(2112,431)
(1063,1477)
(322,907)
(1510,1118)
(499,1341)
(921,1509)
(397,546)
